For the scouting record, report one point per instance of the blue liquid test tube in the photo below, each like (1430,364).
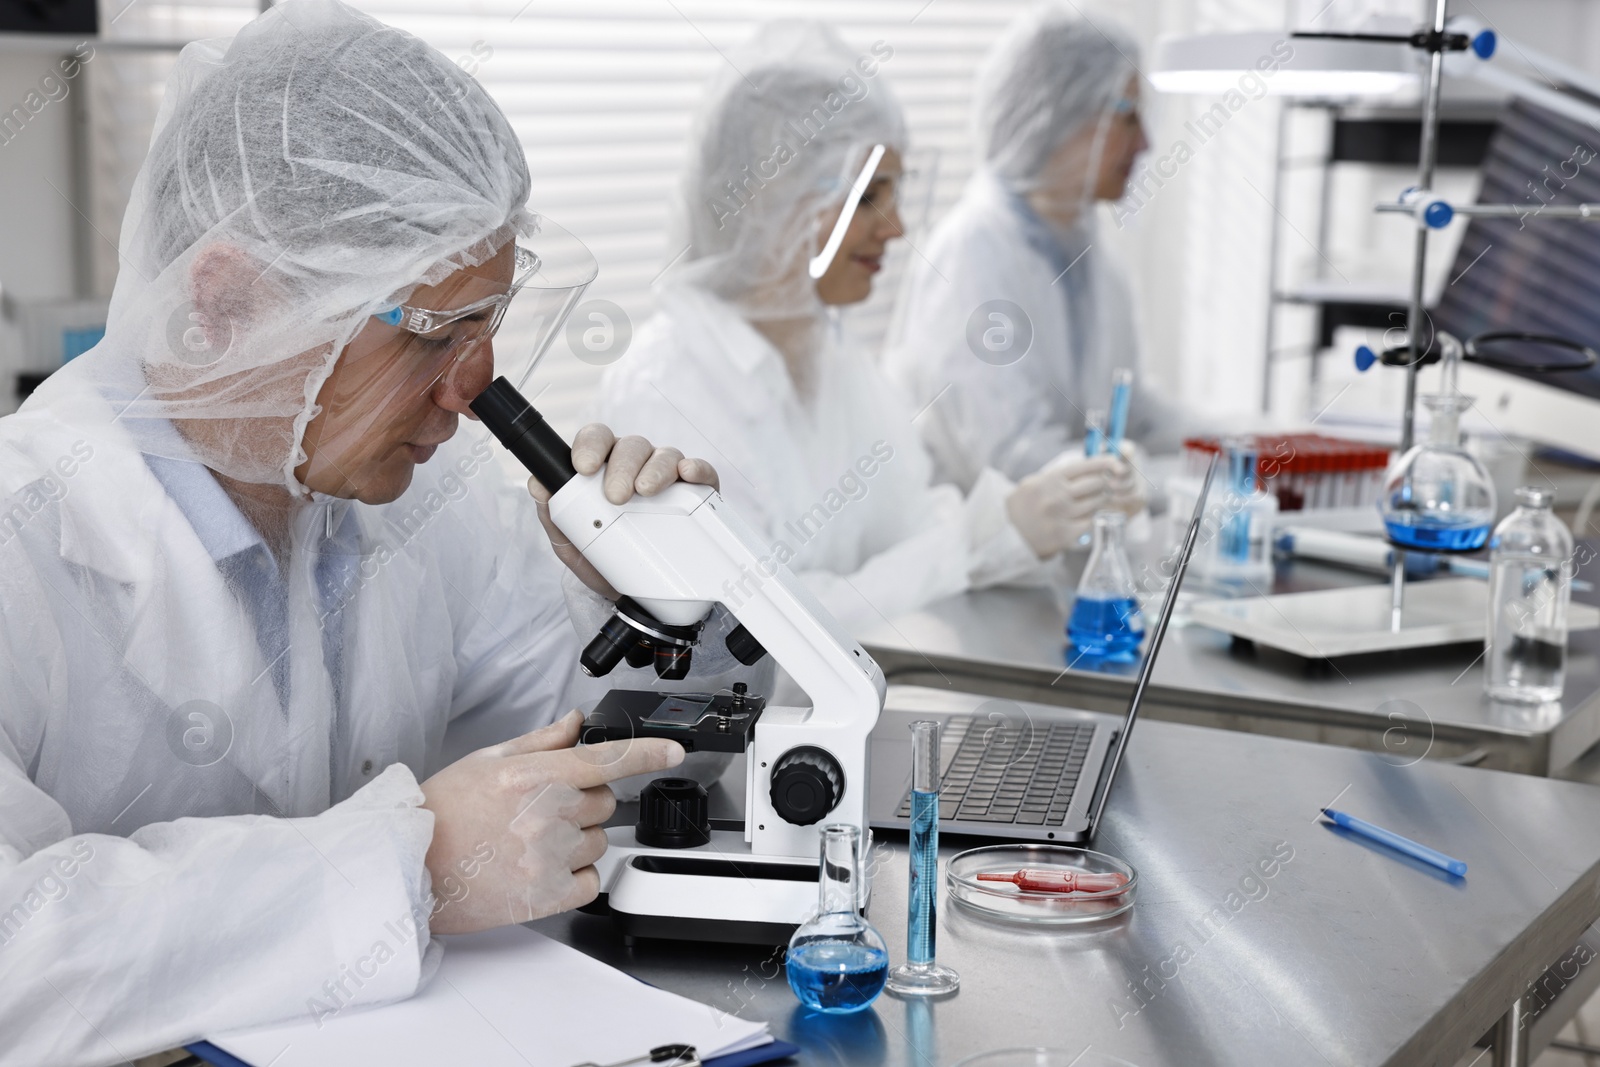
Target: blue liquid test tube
(920,975)
(1121,394)
(1235,541)
(1094,433)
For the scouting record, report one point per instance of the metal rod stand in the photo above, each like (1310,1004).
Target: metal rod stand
(1510,1039)
(1416,314)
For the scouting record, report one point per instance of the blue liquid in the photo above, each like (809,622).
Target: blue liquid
(1106,629)
(837,976)
(924,886)
(1118,424)
(1438,538)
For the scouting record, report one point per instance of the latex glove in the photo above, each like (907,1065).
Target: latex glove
(1055,507)
(633,465)
(516,829)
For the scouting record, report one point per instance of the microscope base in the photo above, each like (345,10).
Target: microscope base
(714,892)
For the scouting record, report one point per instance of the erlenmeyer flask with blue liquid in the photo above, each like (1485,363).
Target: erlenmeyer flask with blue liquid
(1105,623)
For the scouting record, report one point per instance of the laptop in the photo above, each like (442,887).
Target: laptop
(1024,772)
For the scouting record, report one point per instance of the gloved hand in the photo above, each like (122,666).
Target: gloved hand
(516,827)
(633,465)
(1055,507)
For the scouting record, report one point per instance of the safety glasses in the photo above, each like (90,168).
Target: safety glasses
(486,314)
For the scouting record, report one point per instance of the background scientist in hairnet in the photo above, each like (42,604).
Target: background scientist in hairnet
(744,361)
(250,571)
(1056,121)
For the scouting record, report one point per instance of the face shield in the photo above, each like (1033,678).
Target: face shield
(1054,81)
(314,171)
(781,152)
(551,269)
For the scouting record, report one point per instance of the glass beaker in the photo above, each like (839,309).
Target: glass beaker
(1437,496)
(836,962)
(1105,622)
(920,975)
(1530,586)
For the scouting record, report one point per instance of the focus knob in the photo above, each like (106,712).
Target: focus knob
(807,783)
(673,814)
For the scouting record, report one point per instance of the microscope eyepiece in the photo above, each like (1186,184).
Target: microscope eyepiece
(525,434)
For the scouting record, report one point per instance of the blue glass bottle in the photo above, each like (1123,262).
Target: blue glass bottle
(837,963)
(1105,622)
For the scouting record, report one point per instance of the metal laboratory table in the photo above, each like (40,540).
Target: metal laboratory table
(1348,954)
(1011,643)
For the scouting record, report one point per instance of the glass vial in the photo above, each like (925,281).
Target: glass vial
(920,975)
(837,962)
(1105,622)
(1530,585)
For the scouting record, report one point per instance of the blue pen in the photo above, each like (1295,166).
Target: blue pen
(1121,392)
(1432,857)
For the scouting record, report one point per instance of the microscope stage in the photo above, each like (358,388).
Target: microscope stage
(701,722)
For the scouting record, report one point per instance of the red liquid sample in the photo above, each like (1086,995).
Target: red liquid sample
(1038,880)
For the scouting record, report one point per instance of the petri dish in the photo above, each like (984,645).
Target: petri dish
(1004,901)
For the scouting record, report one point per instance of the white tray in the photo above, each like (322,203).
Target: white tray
(1343,622)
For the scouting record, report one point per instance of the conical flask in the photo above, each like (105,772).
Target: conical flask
(1106,622)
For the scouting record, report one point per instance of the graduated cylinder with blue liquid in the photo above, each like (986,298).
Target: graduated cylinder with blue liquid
(1105,622)
(920,975)
(837,963)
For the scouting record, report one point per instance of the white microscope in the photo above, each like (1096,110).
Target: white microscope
(673,557)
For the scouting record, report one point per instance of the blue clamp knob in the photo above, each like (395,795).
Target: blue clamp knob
(1365,358)
(1438,214)
(1484,43)
(392,316)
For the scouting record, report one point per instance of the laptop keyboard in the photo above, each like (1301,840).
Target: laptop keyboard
(1008,773)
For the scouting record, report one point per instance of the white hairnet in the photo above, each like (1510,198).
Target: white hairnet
(304,174)
(1051,73)
(784,130)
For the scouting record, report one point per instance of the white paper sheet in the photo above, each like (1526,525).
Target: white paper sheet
(504,998)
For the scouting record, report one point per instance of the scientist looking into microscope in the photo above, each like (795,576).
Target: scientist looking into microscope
(744,361)
(251,573)
(1056,120)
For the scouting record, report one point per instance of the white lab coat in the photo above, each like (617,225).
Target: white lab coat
(838,484)
(148,895)
(1018,416)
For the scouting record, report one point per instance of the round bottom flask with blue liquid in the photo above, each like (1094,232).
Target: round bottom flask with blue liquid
(837,963)
(1437,497)
(1105,622)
